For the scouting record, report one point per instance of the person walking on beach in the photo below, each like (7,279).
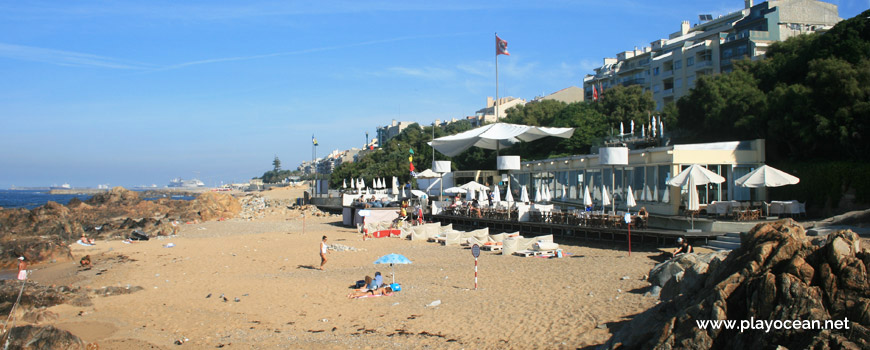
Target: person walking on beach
(323,252)
(22,269)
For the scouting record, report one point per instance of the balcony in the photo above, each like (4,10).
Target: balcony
(668,91)
(703,64)
(638,81)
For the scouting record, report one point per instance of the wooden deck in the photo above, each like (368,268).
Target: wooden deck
(528,229)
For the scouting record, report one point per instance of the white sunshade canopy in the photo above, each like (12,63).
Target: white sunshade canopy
(496,135)
(767,176)
(700,174)
(428,174)
(474,186)
(455,190)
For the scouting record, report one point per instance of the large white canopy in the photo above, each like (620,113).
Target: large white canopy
(428,174)
(493,136)
(766,176)
(474,186)
(700,174)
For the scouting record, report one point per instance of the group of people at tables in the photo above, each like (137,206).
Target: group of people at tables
(473,206)
(373,287)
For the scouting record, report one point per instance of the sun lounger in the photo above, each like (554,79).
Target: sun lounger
(528,253)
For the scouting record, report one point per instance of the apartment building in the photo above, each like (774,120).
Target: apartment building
(670,67)
(390,131)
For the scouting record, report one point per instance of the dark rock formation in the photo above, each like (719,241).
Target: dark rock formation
(776,275)
(38,337)
(44,233)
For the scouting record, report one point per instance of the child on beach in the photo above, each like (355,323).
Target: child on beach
(323,252)
(22,269)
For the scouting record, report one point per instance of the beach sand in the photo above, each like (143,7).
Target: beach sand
(269,266)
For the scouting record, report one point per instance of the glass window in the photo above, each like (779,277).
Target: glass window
(656,71)
(678,83)
(657,87)
(678,64)
(664,174)
(690,81)
(690,61)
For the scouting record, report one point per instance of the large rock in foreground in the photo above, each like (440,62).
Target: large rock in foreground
(38,337)
(776,275)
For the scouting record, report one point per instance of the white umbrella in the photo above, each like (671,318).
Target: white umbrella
(587,198)
(343,183)
(620,128)
(605,200)
(701,175)
(482,197)
(631,131)
(469,195)
(474,186)
(496,194)
(547,196)
(524,194)
(564,192)
(395,185)
(508,196)
(418,193)
(495,136)
(427,174)
(692,202)
(629,201)
(455,190)
(352,183)
(378,183)
(538,194)
(402,193)
(766,176)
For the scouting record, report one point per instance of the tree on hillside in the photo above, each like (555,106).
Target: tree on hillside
(276,164)
(624,104)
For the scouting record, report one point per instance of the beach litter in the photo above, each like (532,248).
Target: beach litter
(434,303)
(169,245)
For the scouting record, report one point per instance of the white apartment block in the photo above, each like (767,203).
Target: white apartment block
(670,67)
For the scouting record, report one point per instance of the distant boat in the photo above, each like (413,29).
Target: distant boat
(61,187)
(103,187)
(179,182)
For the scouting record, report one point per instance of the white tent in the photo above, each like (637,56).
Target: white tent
(524,194)
(495,136)
(766,176)
(700,174)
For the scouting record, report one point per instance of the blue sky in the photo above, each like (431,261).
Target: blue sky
(138,92)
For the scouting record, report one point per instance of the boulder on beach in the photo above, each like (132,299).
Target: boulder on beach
(40,337)
(777,274)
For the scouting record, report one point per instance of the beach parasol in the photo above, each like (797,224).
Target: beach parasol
(474,186)
(343,183)
(469,195)
(766,176)
(402,192)
(629,201)
(482,197)
(524,194)
(427,174)
(508,196)
(564,192)
(496,194)
(538,197)
(692,202)
(495,136)
(547,196)
(393,259)
(395,185)
(455,190)
(605,200)
(699,174)
(418,193)
(587,198)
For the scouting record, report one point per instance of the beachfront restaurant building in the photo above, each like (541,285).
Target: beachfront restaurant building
(646,172)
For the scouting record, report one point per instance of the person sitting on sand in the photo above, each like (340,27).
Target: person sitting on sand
(379,280)
(86,261)
(684,247)
(381,291)
(87,240)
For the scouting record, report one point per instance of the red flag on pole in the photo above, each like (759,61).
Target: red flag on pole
(594,93)
(501,47)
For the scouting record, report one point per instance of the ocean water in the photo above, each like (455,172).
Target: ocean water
(30,199)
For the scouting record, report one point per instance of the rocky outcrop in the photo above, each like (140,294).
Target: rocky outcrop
(44,233)
(682,275)
(777,274)
(39,337)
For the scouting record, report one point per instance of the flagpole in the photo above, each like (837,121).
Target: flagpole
(496,78)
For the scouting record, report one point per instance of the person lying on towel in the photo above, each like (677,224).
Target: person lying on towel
(368,293)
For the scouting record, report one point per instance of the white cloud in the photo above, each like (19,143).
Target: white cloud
(65,58)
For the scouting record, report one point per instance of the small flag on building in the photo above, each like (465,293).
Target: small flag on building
(501,47)
(313,140)
(594,93)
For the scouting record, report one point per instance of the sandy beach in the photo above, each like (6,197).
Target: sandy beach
(276,298)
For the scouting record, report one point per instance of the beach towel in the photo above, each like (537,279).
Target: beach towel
(374,295)
(83,243)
